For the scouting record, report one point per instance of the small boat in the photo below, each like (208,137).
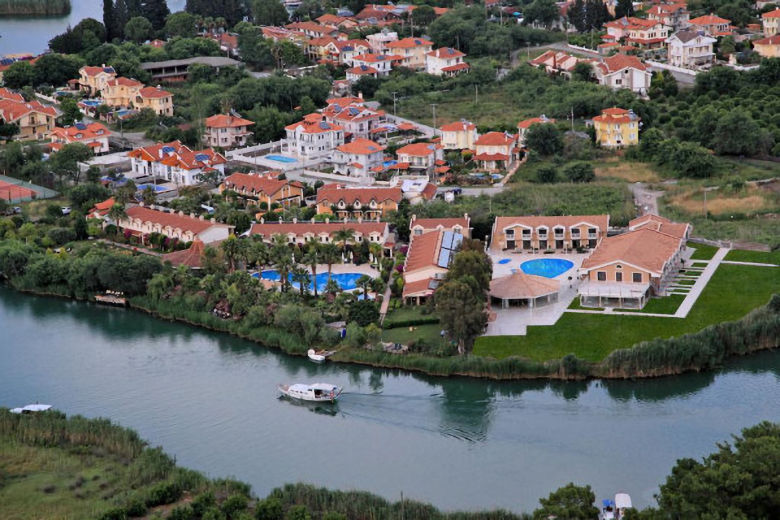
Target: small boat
(622,502)
(318,356)
(315,392)
(607,509)
(32,408)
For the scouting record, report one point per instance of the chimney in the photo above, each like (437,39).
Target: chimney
(141,204)
(192,215)
(262,220)
(200,217)
(295,220)
(327,220)
(181,213)
(414,217)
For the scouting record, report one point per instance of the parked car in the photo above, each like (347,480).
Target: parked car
(66,210)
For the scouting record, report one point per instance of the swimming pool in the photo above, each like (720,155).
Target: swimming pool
(504,261)
(156,187)
(547,267)
(347,281)
(281,158)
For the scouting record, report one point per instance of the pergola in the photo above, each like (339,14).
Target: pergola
(519,288)
(615,294)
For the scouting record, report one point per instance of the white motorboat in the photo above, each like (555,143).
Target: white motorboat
(315,392)
(318,356)
(32,408)
(622,502)
(607,509)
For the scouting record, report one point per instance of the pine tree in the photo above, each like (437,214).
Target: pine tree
(624,8)
(576,15)
(120,18)
(109,19)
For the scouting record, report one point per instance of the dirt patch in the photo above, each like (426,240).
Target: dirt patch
(719,204)
(629,171)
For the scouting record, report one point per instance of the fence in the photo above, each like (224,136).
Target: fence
(672,68)
(16,190)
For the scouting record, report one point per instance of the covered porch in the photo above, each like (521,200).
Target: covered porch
(523,290)
(618,295)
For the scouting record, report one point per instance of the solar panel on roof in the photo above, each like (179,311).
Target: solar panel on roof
(353,111)
(324,125)
(444,258)
(168,149)
(201,157)
(81,126)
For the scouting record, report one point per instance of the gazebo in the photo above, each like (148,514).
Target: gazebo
(523,289)
(191,257)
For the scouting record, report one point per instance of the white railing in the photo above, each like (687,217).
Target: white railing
(673,68)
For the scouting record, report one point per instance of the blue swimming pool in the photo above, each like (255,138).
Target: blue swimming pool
(157,188)
(504,261)
(281,158)
(347,281)
(547,267)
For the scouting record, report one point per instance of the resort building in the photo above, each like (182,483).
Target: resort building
(712,25)
(264,189)
(313,137)
(35,120)
(690,49)
(142,221)
(537,234)
(300,232)
(420,156)
(625,270)
(459,135)
(413,51)
(664,225)
(121,92)
(156,99)
(227,130)
(675,16)
(176,163)
(358,157)
(518,289)
(328,50)
(524,126)
(771,22)
(427,263)
(94,135)
(616,128)
(460,225)
(313,29)
(353,117)
(624,71)
(445,61)
(92,80)
(768,47)
(495,151)
(367,203)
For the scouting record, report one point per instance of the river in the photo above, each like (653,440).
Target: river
(32,35)
(210,400)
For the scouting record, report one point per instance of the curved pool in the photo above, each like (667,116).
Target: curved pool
(347,281)
(547,267)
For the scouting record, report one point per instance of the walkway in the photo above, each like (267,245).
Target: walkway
(385,304)
(696,290)
(645,199)
(756,264)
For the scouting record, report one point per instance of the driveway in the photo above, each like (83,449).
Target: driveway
(645,198)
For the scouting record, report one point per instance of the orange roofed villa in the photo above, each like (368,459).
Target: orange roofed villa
(625,270)
(302,232)
(227,130)
(176,163)
(427,263)
(365,203)
(142,221)
(264,190)
(537,234)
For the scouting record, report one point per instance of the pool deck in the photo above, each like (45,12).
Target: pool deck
(514,321)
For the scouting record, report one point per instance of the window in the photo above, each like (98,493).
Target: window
(601,276)
(618,277)
(637,277)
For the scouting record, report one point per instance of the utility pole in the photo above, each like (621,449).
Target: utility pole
(572,119)
(394,93)
(476,94)
(433,106)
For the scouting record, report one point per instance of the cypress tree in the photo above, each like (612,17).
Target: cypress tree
(109,20)
(156,11)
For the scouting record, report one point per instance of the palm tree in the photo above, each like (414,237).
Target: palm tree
(126,192)
(232,250)
(378,286)
(329,254)
(363,282)
(301,276)
(312,258)
(342,236)
(331,287)
(375,250)
(149,196)
(117,213)
(260,253)
(283,260)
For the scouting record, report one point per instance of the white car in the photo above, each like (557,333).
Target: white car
(65,210)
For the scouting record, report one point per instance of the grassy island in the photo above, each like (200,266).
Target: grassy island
(34,7)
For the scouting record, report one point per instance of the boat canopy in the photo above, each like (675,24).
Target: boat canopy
(32,408)
(607,503)
(623,501)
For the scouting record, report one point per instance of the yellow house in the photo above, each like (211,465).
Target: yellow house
(159,100)
(121,92)
(617,127)
(92,80)
(413,51)
(768,47)
(771,21)
(35,121)
(459,135)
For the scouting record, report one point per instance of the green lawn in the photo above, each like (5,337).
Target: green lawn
(733,291)
(407,313)
(761,257)
(686,282)
(703,251)
(665,305)
(431,334)
(575,304)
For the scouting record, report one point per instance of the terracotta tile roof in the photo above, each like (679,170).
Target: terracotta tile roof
(417,150)
(491,157)
(423,251)
(495,139)
(457,66)
(335,192)
(532,221)
(122,81)
(771,40)
(661,224)
(361,70)
(269,229)
(535,120)
(458,126)
(74,134)
(445,224)
(445,53)
(360,147)
(709,19)
(371,57)
(258,183)
(153,92)
(405,127)
(631,22)
(94,71)
(13,110)
(409,43)
(644,248)
(616,115)
(176,154)
(424,287)
(101,208)
(666,8)
(350,112)
(314,124)
(331,19)
(11,95)
(772,14)
(191,257)
(429,192)
(619,62)
(227,121)
(174,220)
(521,286)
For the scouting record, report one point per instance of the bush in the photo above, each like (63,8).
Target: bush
(298,513)
(182,513)
(396,324)
(546,174)
(364,312)
(233,504)
(61,236)
(163,493)
(269,509)
(579,172)
(116,513)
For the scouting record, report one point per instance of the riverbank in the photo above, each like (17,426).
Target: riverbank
(34,8)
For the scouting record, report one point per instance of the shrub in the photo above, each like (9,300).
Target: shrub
(233,504)
(364,312)
(163,493)
(579,172)
(269,509)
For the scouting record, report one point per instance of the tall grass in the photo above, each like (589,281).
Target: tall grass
(34,7)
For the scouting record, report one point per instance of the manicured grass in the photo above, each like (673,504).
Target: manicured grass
(703,251)
(665,305)
(575,304)
(407,313)
(733,291)
(54,483)
(686,282)
(761,257)
(431,334)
